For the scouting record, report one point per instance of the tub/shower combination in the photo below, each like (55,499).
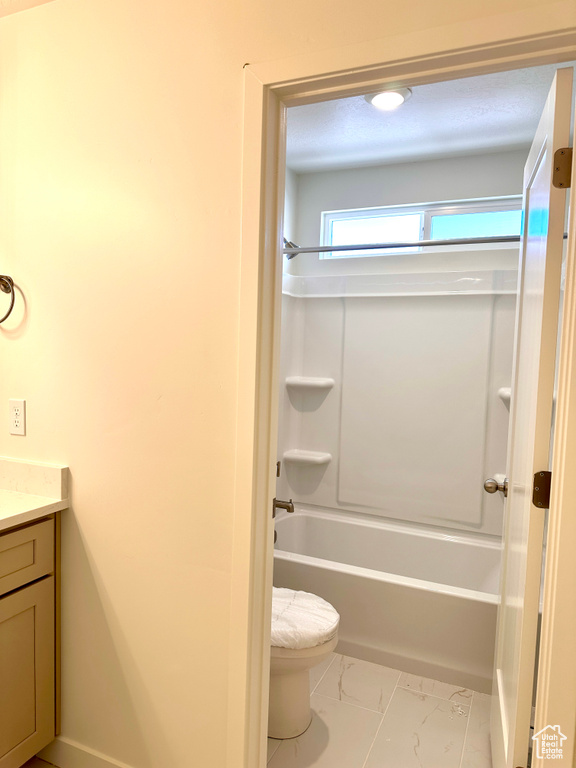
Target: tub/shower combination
(418,600)
(392,414)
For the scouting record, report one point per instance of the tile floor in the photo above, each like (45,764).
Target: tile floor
(368,716)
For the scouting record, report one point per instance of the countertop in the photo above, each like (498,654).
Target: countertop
(18,508)
(30,490)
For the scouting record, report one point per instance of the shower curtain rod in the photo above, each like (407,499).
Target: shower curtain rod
(294,250)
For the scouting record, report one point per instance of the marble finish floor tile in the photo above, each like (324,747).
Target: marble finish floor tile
(420,731)
(317,672)
(477,752)
(359,682)
(340,736)
(435,688)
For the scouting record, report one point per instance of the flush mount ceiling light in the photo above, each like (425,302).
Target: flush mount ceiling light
(388,100)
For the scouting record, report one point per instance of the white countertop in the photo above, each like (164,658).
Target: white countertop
(18,508)
(30,490)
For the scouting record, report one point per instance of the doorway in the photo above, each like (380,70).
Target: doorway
(395,366)
(266,367)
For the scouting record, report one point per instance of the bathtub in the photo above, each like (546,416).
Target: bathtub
(420,601)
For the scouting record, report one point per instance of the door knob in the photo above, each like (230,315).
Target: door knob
(491,486)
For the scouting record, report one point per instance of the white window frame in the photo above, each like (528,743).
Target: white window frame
(428,211)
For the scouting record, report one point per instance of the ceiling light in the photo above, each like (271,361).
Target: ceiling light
(388,100)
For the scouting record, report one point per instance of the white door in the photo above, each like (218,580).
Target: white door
(529,435)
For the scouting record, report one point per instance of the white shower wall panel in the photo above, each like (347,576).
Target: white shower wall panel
(315,417)
(291,352)
(465,404)
(414,399)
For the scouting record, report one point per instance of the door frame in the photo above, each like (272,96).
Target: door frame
(269,88)
(555,691)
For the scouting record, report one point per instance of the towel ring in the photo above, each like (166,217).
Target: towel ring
(7,286)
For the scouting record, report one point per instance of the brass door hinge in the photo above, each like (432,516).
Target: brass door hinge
(541,490)
(562,173)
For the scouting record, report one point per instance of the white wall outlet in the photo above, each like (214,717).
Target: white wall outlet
(17,417)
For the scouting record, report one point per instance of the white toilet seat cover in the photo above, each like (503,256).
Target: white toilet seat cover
(301,620)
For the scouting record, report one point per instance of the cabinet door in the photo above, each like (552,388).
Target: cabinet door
(26,672)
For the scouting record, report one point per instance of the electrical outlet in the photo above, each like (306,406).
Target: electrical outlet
(17,417)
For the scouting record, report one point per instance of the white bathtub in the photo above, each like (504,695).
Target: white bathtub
(421,601)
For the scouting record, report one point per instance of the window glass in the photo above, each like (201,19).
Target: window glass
(455,220)
(487,224)
(375,229)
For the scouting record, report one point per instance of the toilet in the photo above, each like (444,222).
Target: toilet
(304,633)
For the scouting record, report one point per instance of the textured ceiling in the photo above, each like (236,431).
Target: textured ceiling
(468,116)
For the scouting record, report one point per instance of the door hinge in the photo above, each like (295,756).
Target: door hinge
(562,173)
(541,490)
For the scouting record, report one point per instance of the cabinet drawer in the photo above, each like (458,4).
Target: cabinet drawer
(25,555)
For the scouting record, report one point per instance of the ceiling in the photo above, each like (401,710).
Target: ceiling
(469,116)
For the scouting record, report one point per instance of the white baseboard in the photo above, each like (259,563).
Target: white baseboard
(66,753)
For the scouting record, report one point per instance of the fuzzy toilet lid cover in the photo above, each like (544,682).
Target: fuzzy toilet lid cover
(301,619)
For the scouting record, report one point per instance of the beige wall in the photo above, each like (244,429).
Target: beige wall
(120,163)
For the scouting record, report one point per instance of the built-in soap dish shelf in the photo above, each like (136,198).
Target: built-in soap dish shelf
(312,458)
(309,382)
(505,393)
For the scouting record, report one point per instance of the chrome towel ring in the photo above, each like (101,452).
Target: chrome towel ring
(7,286)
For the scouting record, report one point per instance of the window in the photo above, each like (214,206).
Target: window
(431,221)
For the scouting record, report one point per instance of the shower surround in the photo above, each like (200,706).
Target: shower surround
(392,414)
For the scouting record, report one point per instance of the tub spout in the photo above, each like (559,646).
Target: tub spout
(279,504)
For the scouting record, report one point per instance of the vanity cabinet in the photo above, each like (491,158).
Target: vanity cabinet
(28,639)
